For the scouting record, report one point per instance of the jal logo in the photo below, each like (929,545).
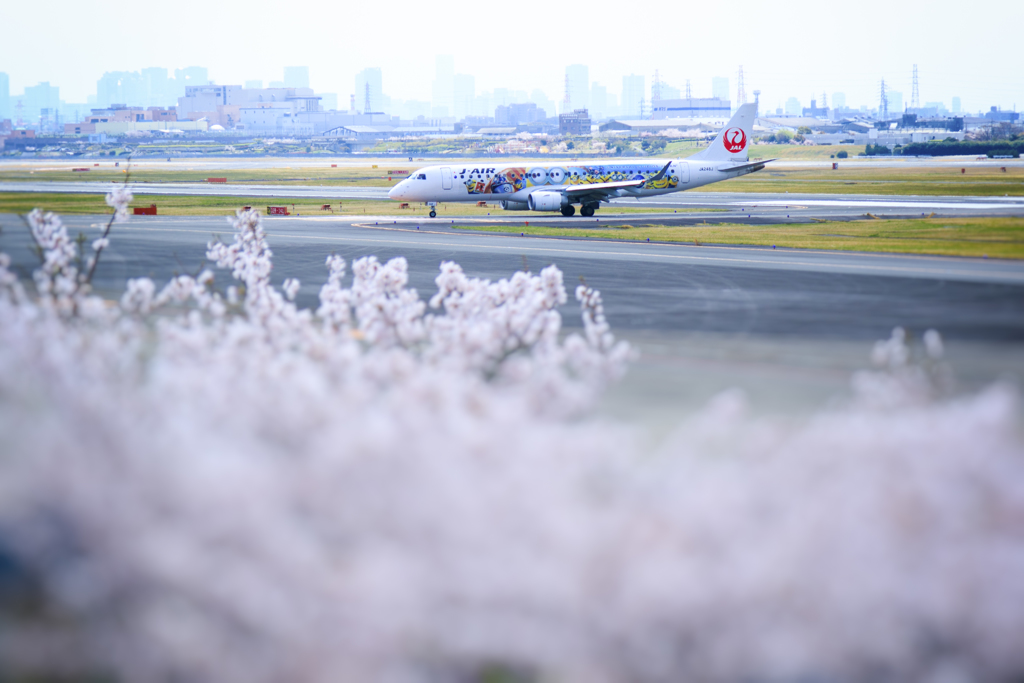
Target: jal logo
(735,140)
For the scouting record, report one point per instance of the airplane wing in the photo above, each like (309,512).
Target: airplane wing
(605,190)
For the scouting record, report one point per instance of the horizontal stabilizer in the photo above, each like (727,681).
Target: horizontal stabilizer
(753,166)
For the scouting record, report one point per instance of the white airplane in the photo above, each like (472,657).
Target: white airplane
(557,187)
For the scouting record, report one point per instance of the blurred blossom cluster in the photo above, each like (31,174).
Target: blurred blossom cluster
(212,484)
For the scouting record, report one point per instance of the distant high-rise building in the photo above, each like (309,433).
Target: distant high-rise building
(895,100)
(542,101)
(369,88)
(442,90)
(275,84)
(253,85)
(956,105)
(480,107)
(577,78)
(720,87)
(296,77)
(633,90)
(838,100)
(157,84)
(5,96)
(518,114)
(40,97)
(122,87)
(463,95)
(793,107)
(598,101)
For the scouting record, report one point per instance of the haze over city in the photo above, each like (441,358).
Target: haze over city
(800,51)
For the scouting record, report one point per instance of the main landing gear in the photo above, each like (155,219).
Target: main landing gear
(585,210)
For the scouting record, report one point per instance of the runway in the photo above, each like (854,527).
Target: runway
(647,287)
(204,189)
(732,207)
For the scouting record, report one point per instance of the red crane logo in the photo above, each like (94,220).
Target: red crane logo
(735,140)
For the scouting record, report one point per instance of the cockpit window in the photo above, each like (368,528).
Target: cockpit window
(421,176)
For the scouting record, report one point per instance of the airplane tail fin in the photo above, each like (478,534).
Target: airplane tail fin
(732,142)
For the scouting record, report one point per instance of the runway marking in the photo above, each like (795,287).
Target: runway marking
(946,274)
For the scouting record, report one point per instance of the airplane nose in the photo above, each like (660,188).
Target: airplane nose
(393,192)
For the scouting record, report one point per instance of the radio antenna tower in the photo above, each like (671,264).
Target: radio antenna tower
(883,105)
(741,93)
(688,94)
(915,97)
(656,88)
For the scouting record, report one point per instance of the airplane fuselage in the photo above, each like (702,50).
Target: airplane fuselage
(513,183)
(558,186)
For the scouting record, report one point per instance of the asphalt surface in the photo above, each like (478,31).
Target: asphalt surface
(732,291)
(731,207)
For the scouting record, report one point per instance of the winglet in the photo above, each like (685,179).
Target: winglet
(662,172)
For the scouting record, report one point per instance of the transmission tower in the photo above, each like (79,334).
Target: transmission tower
(915,97)
(883,105)
(19,107)
(366,107)
(567,99)
(689,95)
(741,92)
(656,88)
(824,100)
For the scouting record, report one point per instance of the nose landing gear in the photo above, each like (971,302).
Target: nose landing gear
(433,214)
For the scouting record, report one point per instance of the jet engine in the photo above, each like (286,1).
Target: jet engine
(510,205)
(546,201)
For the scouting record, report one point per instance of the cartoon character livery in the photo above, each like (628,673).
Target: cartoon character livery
(559,187)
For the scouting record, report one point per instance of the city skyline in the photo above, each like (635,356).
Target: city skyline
(809,49)
(452,94)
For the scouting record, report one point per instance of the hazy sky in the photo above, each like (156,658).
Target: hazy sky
(787,49)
